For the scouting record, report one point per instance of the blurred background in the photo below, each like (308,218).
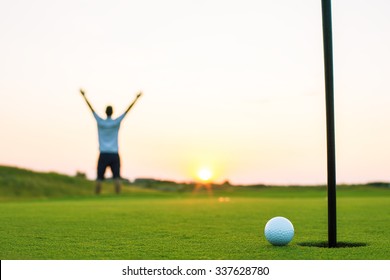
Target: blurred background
(232,87)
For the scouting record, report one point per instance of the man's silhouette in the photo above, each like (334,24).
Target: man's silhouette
(108,144)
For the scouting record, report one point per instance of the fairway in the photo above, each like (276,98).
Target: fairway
(169,226)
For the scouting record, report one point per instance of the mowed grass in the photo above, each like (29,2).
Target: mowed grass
(186,226)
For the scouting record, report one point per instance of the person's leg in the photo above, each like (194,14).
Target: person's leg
(117,183)
(98,188)
(115,168)
(101,169)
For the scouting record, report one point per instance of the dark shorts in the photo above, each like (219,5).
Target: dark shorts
(108,159)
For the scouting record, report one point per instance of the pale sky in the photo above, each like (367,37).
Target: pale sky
(233,86)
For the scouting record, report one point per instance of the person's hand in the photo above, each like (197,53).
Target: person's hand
(82,92)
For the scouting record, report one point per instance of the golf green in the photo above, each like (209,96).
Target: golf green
(170,226)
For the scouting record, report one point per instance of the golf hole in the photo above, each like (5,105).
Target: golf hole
(324,244)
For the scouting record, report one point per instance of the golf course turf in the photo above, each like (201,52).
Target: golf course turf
(147,224)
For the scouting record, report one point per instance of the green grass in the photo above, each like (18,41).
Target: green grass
(169,225)
(24,184)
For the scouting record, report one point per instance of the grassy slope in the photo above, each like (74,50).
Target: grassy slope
(182,226)
(22,184)
(18,183)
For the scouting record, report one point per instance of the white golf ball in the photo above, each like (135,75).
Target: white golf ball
(279,231)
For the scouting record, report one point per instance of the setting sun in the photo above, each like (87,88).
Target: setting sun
(205,174)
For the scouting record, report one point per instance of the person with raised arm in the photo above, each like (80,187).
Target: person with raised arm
(108,130)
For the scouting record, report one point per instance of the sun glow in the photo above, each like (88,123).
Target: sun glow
(205,174)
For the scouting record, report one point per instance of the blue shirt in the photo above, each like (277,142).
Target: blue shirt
(108,133)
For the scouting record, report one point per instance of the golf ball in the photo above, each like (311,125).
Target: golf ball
(279,231)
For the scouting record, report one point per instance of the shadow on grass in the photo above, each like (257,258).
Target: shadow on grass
(324,244)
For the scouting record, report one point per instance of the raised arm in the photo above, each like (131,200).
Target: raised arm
(132,104)
(86,100)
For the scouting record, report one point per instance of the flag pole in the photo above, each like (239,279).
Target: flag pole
(330,122)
